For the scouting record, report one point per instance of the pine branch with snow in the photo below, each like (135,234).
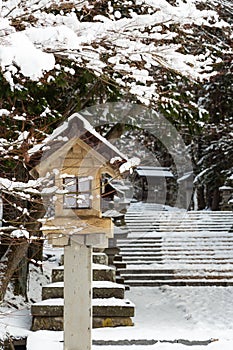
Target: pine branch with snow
(123,45)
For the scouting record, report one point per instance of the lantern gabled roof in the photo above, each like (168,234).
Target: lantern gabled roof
(74,128)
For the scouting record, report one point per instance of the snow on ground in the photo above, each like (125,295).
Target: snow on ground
(225,345)
(15,318)
(166,314)
(169,313)
(163,314)
(201,314)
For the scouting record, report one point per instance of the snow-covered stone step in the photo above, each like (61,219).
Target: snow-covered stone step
(48,314)
(134,243)
(188,230)
(160,219)
(142,229)
(100,273)
(177,240)
(144,208)
(182,222)
(103,307)
(193,229)
(172,241)
(169,250)
(191,272)
(180,227)
(194,258)
(182,255)
(179,213)
(100,289)
(217,239)
(187,276)
(176,244)
(176,260)
(148,236)
(182,260)
(141,260)
(177,221)
(139,239)
(158,236)
(144,261)
(176,228)
(118,257)
(179,264)
(179,283)
(139,270)
(176,249)
(149,276)
(128,254)
(119,264)
(97,258)
(179,218)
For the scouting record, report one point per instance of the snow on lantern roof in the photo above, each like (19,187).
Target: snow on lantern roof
(76,126)
(149,171)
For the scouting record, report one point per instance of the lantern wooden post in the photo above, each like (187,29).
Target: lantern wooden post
(77,296)
(78,289)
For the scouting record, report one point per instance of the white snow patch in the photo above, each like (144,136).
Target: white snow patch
(20,233)
(33,64)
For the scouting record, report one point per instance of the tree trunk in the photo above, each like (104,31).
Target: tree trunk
(17,250)
(215,199)
(201,198)
(14,262)
(20,277)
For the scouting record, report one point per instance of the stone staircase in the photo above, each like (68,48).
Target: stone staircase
(109,307)
(178,248)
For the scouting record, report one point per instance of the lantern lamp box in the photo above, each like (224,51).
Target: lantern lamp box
(73,161)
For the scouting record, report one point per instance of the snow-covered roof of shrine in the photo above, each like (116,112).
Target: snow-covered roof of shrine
(154,171)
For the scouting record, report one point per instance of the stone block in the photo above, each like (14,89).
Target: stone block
(106,289)
(58,274)
(48,323)
(111,312)
(48,309)
(100,258)
(100,273)
(107,274)
(108,293)
(53,290)
(56,323)
(99,322)
(119,264)
(122,309)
